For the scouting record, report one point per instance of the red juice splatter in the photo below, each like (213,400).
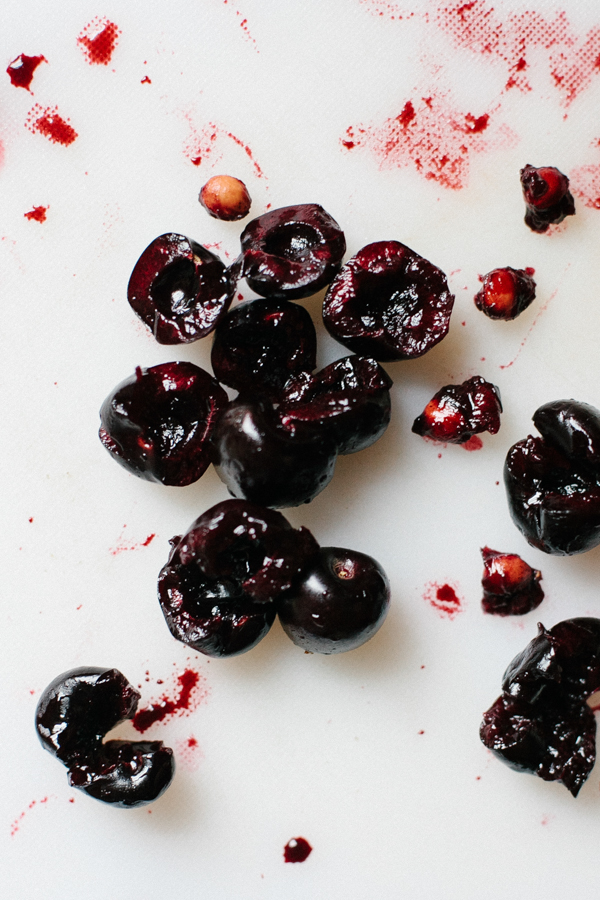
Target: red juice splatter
(22,69)
(541,311)
(390,11)
(203,145)
(37,214)
(189,753)
(48,123)
(474,443)
(30,519)
(443,598)
(122,546)
(585,184)
(191,691)
(15,826)
(98,41)
(296,850)
(145,80)
(243,23)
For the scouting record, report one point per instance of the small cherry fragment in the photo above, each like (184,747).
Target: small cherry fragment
(505,293)
(510,586)
(224,197)
(459,411)
(547,197)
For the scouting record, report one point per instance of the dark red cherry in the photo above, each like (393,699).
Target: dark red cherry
(542,723)
(259,461)
(388,303)
(553,482)
(505,293)
(292,252)
(259,345)
(458,411)
(179,289)
(547,197)
(224,197)
(510,586)
(339,602)
(349,400)
(74,714)
(158,423)
(219,589)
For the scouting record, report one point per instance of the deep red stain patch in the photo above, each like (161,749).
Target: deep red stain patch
(22,69)
(474,443)
(52,126)
(15,826)
(204,145)
(122,546)
(145,80)
(190,690)
(296,850)
(98,41)
(444,599)
(37,214)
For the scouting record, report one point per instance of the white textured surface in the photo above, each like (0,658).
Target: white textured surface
(326,748)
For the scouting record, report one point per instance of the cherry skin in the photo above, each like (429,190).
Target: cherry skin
(510,586)
(224,197)
(339,603)
(458,411)
(547,197)
(505,293)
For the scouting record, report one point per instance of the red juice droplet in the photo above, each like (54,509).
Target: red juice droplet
(443,598)
(48,123)
(191,691)
(98,41)
(37,214)
(22,69)
(296,850)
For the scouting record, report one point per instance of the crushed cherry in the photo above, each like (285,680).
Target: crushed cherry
(224,197)
(505,293)
(292,252)
(73,716)
(541,723)
(458,411)
(553,481)
(159,422)
(547,197)
(389,303)
(179,289)
(510,586)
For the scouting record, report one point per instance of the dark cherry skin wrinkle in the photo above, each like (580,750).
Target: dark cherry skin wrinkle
(505,293)
(339,603)
(553,482)
(158,423)
(547,197)
(292,252)
(541,723)
(74,714)
(510,586)
(263,343)
(179,289)
(458,411)
(388,303)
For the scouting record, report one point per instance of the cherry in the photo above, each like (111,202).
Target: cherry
(458,411)
(389,303)
(219,589)
(338,604)
(292,252)
(260,344)
(510,586)
(541,723)
(225,197)
(179,289)
(505,293)
(158,423)
(74,714)
(547,197)
(553,482)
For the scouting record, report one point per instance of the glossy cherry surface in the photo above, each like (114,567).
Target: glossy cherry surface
(458,411)
(339,603)
(292,252)
(541,723)
(224,197)
(505,293)
(547,197)
(179,289)
(158,423)
(261,344)
(510,586)
(553,482)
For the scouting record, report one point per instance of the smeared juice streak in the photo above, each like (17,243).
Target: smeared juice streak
(202,145)
(191,691)
(541,311)
(51,125)
(123,546)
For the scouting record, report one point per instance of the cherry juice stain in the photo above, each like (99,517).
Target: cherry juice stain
(15,826)
(98,41)
(145,80)
(190,690)
(47,122)
(204,145)
(37,214)
(189,753)
(122,546)
(585,182)
(474,443)
(296,850)
(243,23)
(21,70)
(444,599)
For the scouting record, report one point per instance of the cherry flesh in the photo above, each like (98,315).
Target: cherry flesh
(505,293)
(261,344)
(292,252)
(541,723)
(510,586)
(219,589)
(339,603)
(388,303)
(224,197)
(458,411)
(349,400)
(547,197)
(553,482)
(74,714)
(179,289)
(158,423)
